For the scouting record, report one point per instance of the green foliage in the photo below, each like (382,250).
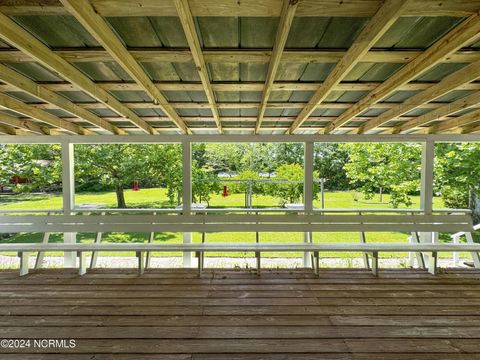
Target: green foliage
(117,166)
(329,162)
(288,184)
(204,185)
(389,167)
(41,164)
(392,167)
(242,187)
(457,168)
(257,157)
(224,157)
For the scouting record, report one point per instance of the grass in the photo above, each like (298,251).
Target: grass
(149,198)
(157,198)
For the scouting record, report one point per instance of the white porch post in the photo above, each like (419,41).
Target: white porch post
(68,192)
(308,195)
(426,190)
(187,196)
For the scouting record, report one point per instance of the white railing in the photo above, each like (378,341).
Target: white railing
(80,250)
(204,220)
(456,240)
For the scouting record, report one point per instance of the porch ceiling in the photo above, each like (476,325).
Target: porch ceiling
(210,67)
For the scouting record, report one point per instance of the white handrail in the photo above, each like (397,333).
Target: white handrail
(233,247)
(246,210)
(461,233)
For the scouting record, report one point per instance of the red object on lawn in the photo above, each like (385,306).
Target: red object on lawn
(225,191)
(135,186)
(19,180)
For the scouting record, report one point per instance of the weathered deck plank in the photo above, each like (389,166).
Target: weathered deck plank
(235,315)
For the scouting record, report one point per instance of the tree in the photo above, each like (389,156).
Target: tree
(117,166)
(457,170)
(204,183)
(329,162)
(224,157)
(287,153)
(243,185)
(40,164)
(289,187)
(292,190)
(259,158)
(388,167)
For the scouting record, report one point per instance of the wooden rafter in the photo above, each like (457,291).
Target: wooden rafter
(311,56)
(264,8)
(23,40)
(388,13)
(186,19)
(463,34)
(452,48)
(10,103)
(286,18)
(449,83)
(28,125)
(8,130)
(238,86)
(445,110)
(229,119)
(23,83)
(99,29)
(474,128)
(464,120)
(249,105)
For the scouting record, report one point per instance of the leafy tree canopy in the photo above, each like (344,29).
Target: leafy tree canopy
(40,164)
(457,170)
(391,167)
(117,166)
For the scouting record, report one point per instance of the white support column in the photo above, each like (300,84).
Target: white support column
(426,191)
(187,195)
(308,182)
(426,194)
(308,195)
(68,186)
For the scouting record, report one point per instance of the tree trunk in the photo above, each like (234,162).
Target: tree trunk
(120,197)
(474,206)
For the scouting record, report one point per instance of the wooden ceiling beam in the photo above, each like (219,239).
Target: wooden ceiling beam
(462,35)
(103,33)
(24,124)
(317,56)
(460,121)
(10,103)
(7,130)
(470,129)
(286,18)
(264,8)
(451,82)
(242,119)
(383,19)
(238,86)
(445,110)
(244,105)
(23,40)
(23,83)
(186,19)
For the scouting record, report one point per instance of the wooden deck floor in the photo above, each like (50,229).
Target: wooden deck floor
(234,315)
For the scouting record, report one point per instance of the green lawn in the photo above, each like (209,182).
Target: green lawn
(157,198)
